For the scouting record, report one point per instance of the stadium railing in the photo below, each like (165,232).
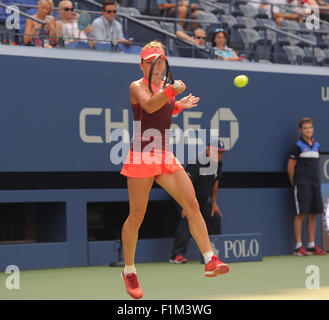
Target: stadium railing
(142,30)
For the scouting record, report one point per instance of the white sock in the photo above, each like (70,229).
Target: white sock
(298,245)
(129,269)
(310,245)
(207,256)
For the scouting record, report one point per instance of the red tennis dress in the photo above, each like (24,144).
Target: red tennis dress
(150,154)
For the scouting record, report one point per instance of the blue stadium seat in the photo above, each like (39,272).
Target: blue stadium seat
(250,11)
(325,62)
(308,37)
(227,21)
(207,16)
(319,55)
(324,26)
(262,23)
(289,24)
(323,42)
(129,11)
(170,26)
(268,35)
(249,22)
(250,37)
(295,54)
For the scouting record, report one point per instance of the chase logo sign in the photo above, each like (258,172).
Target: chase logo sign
(238,247)
(115,123)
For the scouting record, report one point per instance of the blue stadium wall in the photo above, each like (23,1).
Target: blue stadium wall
(58,108)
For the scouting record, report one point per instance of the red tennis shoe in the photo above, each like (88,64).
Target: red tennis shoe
(178,259)
(215,267)
(316,251)
(132,285)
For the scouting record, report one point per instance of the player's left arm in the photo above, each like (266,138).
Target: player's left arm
(214,206)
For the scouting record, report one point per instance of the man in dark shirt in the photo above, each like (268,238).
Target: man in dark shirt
(303,171)
(205,181)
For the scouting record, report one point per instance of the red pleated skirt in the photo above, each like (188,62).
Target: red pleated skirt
(150,164)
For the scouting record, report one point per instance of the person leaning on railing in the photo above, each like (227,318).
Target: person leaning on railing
(32,28)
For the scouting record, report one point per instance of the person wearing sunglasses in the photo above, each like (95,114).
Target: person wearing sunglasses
(67,26)
(107,29)
(199,36)
(222,51)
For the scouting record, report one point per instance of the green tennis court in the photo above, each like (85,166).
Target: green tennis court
(278,277)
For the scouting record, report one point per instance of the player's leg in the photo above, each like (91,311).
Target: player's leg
(180,187)
(138,191)
(311,227)
(317,208)
(302,203)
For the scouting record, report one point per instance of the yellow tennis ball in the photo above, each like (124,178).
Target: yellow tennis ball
(241,81)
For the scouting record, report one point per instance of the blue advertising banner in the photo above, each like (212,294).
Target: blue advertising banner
(74,114)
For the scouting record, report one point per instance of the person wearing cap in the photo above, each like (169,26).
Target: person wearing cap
(222,51)
(150,159)
(206,188)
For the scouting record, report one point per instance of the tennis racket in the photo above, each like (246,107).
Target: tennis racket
(83,22)
(166,76)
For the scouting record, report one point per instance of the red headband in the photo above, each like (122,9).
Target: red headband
(151,53)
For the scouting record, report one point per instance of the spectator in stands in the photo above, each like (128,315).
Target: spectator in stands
(106,28)
(168,8)
(324,9)
(286,10)
(317,7)
(222,51)
(67,25)
(303,172)
(32,28)
(199,36)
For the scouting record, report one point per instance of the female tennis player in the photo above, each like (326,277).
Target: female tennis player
(144,165)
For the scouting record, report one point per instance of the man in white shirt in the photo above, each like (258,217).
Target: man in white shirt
(106,28)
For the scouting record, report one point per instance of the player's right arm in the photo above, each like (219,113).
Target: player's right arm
(291,170)
(140,94)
